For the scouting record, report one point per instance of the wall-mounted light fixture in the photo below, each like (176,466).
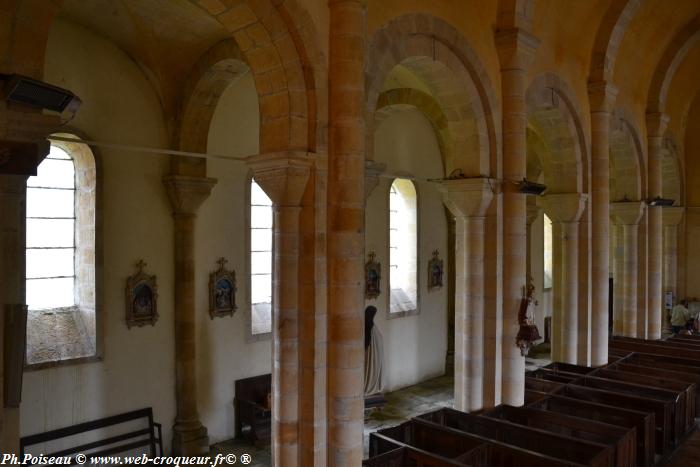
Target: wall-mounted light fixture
(28,91)
(659,201)
(531,188)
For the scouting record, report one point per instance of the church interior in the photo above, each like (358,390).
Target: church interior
(351,232)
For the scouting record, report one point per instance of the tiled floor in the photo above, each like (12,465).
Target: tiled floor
(401,406)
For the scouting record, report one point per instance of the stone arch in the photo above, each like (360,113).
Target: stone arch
(612,29)
(25,30)
(279,43)
(627,170)
(673,56)
(554,117)
(515,14)
(438,55)
(672,179)
(393,100)
(215,71)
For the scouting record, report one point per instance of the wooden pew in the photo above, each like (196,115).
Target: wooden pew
(388,452)
(642,422)
(662,410)
(532,396)
(654,348)
(547,443)
(549,375)
(622,440)
(689,390)
(542,385)
(676,398)
(567,368)
(660,371)
(429,447)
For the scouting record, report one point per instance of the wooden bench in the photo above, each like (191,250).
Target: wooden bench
(675,398)
(567,368)
(125,433)
(641,422)
(550,375)
(542,385)
(654,348)
(498,454)
(253,416)
(662,410)
(549,444)
(659,371)
(621,439)
(448,448)
(687,390)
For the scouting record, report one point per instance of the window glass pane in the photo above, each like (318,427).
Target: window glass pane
(50,232)
(49,293)
(49,203)
(261,262)
(258,196)
(261,288)
(261,216)
(261,322)
(50,263)
(548,259)
(54,173)
(261,240)
(403,246)
(58,153)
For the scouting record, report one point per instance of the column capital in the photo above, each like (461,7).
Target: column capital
(23,143)
(656,124)
(516,48)
(627,212)
(533,211)
(187,193)
(373,170)
(282,175)
(467,197)
(565,207)
(672,216)
(602,96)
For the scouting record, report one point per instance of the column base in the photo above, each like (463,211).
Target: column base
(190,439)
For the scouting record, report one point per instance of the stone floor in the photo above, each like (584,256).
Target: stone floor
(401,405)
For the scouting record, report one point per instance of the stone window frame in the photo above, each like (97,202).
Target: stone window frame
(387,210)
(85,159)
(248,312)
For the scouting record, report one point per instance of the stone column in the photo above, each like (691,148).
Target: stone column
(346,215)
(467,200)
(284,177)
(566,210)
(532,212)
(656,127)
(515,51)
(22,148)
(671,218)
(602,96)
(187,193)
(626,216)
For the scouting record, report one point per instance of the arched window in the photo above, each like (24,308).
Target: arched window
(60,254)
(261,218)
(403,247)
(548,261)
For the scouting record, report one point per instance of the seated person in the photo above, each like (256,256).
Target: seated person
(679,317)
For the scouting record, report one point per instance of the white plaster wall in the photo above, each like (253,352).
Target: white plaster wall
(414,346)
(224,352)
(138,368)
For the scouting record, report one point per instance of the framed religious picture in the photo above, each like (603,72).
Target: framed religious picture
(141,298)
(373,276)
(222,291)
(435,271)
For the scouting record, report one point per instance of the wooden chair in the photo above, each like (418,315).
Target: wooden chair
(252,412)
